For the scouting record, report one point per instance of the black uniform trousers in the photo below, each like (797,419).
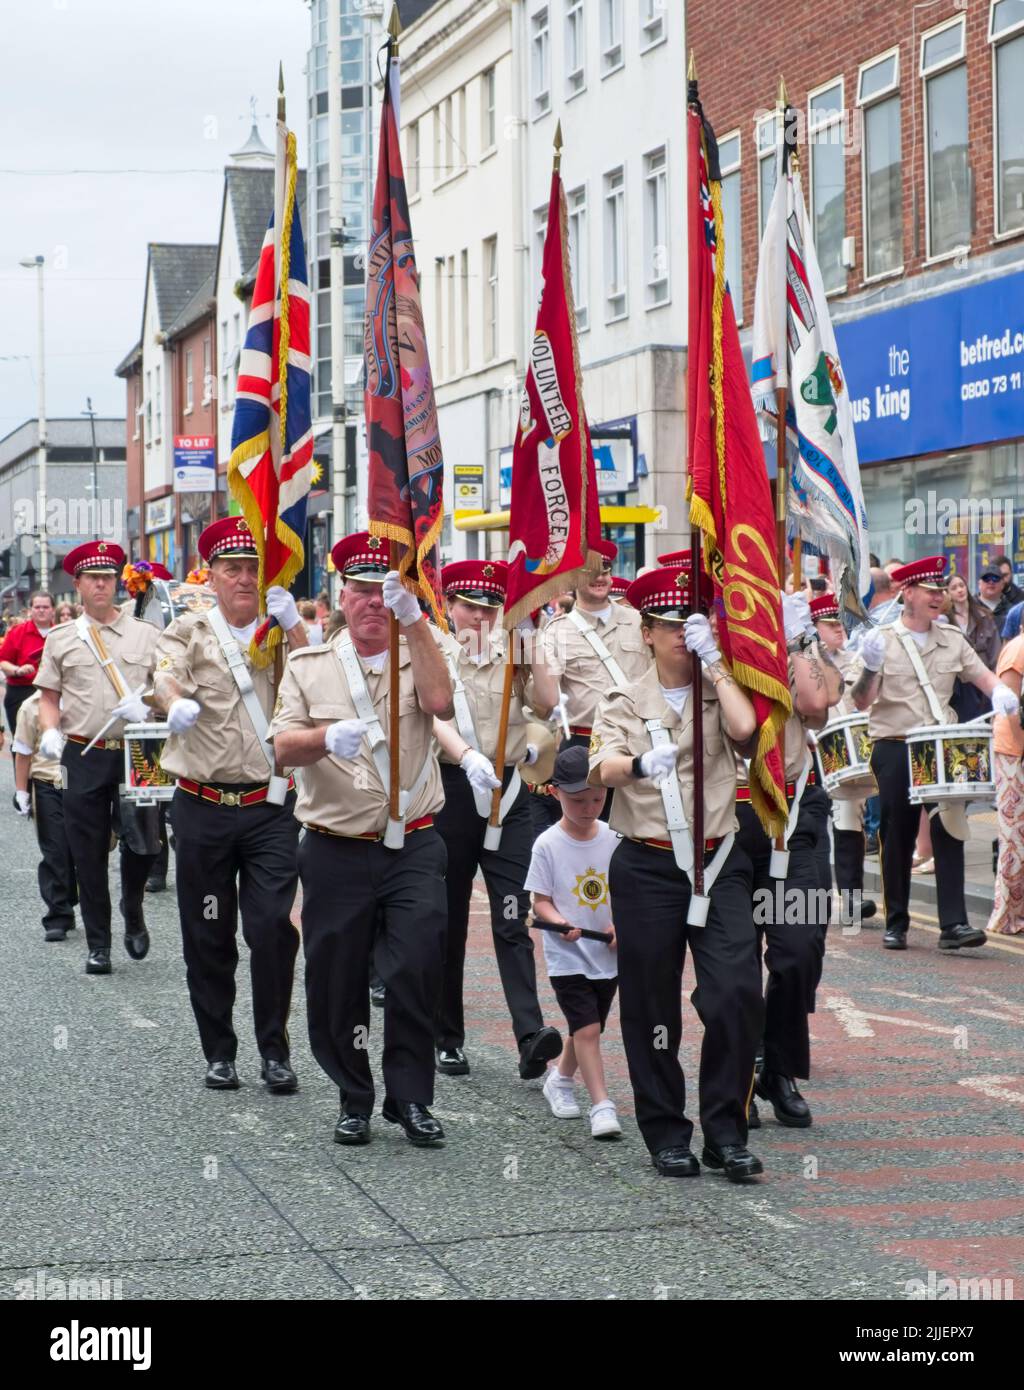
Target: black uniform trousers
(14,697)
(897,835)
(849,858)
(235,860)
(650,897)
(91,810)
(344,883)
(545,811)
(58,886)
(791,916)
(504,870)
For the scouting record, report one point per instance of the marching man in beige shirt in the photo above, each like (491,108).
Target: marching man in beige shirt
(92,675)
(642,745)
(38,793)
(333,721)
(235,830)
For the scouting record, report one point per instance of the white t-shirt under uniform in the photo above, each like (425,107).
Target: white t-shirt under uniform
(574,875)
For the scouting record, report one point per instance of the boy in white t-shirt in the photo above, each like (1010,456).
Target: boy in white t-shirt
(569,880)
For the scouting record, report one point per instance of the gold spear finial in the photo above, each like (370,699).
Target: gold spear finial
(691,67)
(558,145)
(783,97)
(394,26)
(280,91)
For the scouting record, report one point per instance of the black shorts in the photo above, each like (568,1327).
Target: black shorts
(584,1001)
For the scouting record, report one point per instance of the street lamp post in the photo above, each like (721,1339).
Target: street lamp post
(36,263)
(95,477)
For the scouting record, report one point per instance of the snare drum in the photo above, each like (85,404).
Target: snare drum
(145,781)
(845,753)
(950,762)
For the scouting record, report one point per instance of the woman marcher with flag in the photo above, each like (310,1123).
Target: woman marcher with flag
(642,744)
(475,592)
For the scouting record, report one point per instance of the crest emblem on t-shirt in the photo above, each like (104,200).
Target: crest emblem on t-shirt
(591,889)
(595,743)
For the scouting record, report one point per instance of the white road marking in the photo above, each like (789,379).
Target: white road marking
(921,998)
(851,1019)
(994,1087)
(1015,1005)
(991,1013)
(137,1020)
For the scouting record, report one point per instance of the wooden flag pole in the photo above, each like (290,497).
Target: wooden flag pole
(394,734)
(697,667)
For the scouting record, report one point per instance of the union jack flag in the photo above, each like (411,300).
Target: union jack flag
(271,464)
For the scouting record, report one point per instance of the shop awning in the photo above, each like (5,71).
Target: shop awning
(610,516)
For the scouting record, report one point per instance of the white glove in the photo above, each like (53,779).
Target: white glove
(131,708)
(51,744)
(658,762)
(24,803)
(560,713)
(398,598)
(281,605)
(532,754)
(1004,701)
(182,714)
(872,651)
(700,639)
(479,772)
(796,616)
(343,738)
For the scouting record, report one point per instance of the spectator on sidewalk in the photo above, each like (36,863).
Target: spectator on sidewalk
(1008,755)
(1011,623)
(1012,592)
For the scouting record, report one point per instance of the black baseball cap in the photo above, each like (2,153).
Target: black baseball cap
(991,574)
(572,767)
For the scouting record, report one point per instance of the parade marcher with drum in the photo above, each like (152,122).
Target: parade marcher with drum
(236,837)
(909,672)
(642,745)
(93,674)
(38,793)
(333,721)
(475,593)
(850,747)
(798,872)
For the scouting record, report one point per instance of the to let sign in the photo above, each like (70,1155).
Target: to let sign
(195,463)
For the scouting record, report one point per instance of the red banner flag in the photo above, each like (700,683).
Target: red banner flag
(730,499)
(555,514)
(404,493)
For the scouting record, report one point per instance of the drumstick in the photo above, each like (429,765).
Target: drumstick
(564,930)
(112,673)
(110,722)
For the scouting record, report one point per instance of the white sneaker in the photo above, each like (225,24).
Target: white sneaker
(560,1094)
(604,1123)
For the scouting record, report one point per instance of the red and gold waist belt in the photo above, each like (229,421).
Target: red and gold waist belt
(743,793)
(583,730)
(424,823)
(219,797)
(115,744)
(709,845)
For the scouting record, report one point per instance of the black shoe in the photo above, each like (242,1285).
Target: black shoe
(279,1077)
(868,908)
(894,939)
(734,1160)
(221,1076)
(537,1050)
(137,944)
(451,1061)
(98,963)
(377,996)
(156,885)
(753,1118)
(55,934)
(420,1126)
(789,1105)
(676,1163)
(952,938)
(352,1129)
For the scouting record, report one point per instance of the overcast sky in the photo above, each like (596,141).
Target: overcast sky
(119,85)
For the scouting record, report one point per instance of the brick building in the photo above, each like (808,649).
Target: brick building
(911,149)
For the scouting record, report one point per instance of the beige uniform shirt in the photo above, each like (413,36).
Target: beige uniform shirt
(851,666)
(794,736)
(26,736)
(69,667)
(637,808)
(485,683)
(221,746)
(581,674)
(348,797)
(901,703)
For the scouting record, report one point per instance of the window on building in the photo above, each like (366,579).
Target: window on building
(353,63)
(611,35)
(879,98)
(729,159)
(448,125)
(540,227)
(575,48)
(652,22)
(656,251)
(149,407)
(488,110)
(412,158)
(207,371)
(579,254)
(947,169)
(439,311)
(188,380)
(439,169)
(461,161)
(225,367)
(826,136)
(490,261)
(615,244)
(768,136)
(158,395)
(464,307)
(236,351)
(1006,31)
(540,63)
(451,337)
